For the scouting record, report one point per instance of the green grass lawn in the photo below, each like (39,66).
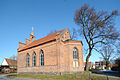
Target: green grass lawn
(80,76)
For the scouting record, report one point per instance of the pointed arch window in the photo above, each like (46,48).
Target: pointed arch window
(75,55)
(42,58)
(28,60)
(34,59)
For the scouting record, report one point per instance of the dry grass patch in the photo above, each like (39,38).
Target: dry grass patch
(81,76)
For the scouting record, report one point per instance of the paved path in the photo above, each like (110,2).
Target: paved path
(5,77)
(108,73)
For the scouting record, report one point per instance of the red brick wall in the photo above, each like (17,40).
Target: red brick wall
(68,57)
(58,56)
(55,59)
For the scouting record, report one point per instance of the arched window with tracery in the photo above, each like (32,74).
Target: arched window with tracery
(34,59)
(28,60)
(42,58)
(75,54)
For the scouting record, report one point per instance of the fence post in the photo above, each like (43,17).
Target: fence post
(89,76)
(107,78)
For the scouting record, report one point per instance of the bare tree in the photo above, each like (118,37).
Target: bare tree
(107,53)
(118,49)
(13,57)
(52,31)
(74,34)
(96,27)
(117,61)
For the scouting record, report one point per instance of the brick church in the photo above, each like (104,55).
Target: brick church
(55,53)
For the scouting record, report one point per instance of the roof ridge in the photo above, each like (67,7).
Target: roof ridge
(10,59)
(43,40)
(50,34)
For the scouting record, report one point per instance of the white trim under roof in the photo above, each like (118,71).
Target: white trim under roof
(4,63)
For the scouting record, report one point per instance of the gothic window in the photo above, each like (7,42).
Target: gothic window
(75,55)
(28,60)
(77,65)
(42,58)
(34,59)
(74,64)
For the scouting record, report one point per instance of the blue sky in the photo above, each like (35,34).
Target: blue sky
(18,16)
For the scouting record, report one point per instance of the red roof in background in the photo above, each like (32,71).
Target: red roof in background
(93,64)
(89,63)
(99,62)
(41,41)
(11,62)
(111,65)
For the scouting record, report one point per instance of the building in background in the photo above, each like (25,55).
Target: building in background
(101,65)
(93,66)
(9,65)
(89,65)
(55,53)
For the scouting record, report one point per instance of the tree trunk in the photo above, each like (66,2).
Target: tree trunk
(107,65)
(87,59)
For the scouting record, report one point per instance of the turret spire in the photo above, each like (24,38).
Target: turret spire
(32,33)
(32,37)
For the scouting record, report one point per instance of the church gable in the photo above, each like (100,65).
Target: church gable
(27,41)
(66,35)
(21,45)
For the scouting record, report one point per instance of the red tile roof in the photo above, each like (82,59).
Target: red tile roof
(43,40)
(93,64)
(11,62)
(89,63)
(99,62)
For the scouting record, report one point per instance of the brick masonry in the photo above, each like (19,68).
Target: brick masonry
(58,56)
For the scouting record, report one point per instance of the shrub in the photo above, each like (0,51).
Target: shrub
(115,68)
